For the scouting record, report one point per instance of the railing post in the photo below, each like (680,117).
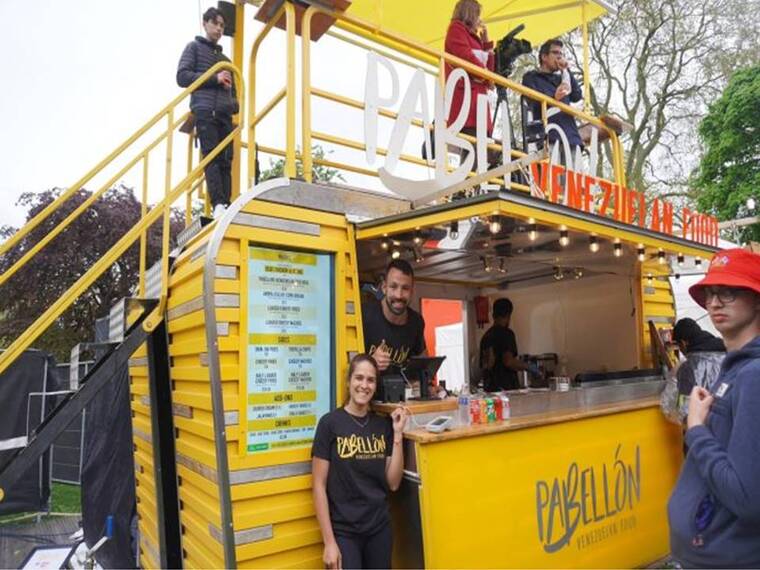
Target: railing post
(306,93)
(237,61)
(290,126)
(144,233)
(189,195)
(167,206)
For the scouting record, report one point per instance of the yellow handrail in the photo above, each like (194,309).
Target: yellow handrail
(163,208)
(251,126)
(410,48)
(50,208)
(62,225)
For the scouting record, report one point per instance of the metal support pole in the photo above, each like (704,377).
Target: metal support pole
(162,437)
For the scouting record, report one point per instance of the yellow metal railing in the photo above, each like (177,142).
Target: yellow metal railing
(368,36)
(190,183)
(288,92)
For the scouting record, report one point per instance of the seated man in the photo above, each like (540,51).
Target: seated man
(548,79)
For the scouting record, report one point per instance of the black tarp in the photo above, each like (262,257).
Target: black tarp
(33,371)
(108,472)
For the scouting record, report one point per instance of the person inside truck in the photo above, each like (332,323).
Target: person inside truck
(393,331)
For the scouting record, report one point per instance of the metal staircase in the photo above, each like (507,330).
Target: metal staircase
(133,321)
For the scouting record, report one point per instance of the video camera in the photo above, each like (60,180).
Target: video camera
(508,49)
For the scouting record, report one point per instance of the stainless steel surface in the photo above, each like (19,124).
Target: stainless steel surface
(544,401)
(357,203)
(271,223)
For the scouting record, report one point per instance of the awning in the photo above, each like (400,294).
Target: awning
(426,21)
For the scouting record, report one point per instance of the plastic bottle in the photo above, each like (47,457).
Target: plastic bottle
(566,78)
(464,406)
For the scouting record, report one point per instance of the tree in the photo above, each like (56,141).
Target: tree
(320,173)
(729,172)
(658,64)
(43,279)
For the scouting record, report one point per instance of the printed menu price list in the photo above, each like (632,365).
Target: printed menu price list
(289,347)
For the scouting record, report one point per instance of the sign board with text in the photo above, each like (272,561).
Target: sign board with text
(289,349)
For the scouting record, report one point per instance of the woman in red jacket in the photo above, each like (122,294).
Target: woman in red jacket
(467,38)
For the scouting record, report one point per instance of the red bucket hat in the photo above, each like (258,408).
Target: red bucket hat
(732,268)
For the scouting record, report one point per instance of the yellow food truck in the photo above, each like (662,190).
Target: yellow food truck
(247,324)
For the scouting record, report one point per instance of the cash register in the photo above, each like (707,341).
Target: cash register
(392,386)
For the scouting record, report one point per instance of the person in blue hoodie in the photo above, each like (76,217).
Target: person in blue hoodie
(714,511)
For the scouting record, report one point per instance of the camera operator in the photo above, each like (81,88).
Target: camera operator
(554,79)
(467,38)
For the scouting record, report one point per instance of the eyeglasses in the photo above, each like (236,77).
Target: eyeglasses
(724,294)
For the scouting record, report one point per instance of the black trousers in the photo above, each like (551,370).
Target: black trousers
(212,128)
(373,551)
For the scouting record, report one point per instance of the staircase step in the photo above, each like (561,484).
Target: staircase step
(192,230)
(117,318)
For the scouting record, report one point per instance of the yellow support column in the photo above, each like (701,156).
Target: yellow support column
(290,126)
(237,60)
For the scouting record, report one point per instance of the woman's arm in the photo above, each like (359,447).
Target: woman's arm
(319,470)
(394,465)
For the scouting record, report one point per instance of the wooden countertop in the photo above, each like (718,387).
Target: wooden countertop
(524,422)
(418,406)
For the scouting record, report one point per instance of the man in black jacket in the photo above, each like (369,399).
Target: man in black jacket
(554,79)
(212,104)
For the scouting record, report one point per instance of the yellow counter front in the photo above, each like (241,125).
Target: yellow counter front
(585,487)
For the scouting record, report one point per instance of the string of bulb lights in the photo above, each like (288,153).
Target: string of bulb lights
(498,265)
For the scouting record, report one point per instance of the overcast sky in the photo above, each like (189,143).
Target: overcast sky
(80,76)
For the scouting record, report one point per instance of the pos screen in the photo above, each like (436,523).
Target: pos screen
(422,368)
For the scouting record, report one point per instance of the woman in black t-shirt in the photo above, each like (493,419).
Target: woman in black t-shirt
(356,459)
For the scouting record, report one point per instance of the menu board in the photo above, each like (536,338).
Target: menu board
(290,352)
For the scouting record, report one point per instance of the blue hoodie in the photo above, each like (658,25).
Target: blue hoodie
(714,510)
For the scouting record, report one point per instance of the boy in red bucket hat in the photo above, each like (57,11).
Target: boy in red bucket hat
(714,510)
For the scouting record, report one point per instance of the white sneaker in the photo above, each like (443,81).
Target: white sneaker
(219,210)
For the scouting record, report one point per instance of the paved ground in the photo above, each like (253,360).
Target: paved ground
(18,539)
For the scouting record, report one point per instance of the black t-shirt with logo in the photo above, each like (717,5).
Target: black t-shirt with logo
(357,489)
(403,340)
(501,340)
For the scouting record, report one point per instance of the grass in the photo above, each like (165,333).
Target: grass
(65,498)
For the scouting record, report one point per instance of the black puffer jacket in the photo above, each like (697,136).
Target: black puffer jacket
(200,55)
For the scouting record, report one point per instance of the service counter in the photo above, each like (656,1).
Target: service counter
(573,479)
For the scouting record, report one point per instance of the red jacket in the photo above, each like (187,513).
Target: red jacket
(462,43)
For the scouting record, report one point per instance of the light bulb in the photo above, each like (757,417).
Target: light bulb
(494,226)
(641,253)
(564,238)
(558,274)
(698,261)
(417,238)
(532,232)
(661,257)
(650,279)
(593,244)
(680,260)
(617,249)
(395,254)
(384,244)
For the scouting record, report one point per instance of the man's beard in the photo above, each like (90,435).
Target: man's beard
(395,311)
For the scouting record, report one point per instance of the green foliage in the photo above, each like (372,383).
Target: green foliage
(48,274)
(729,172)
(320,173)
(65,498)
